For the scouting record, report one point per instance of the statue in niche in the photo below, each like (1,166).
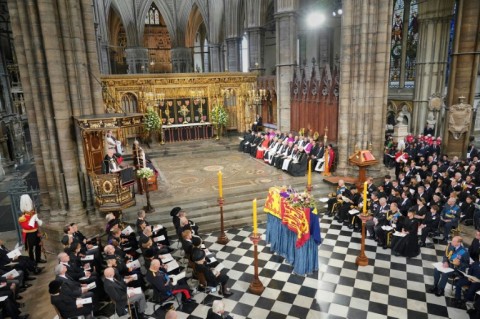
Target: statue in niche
(403,116)
(460,116)
(431,122)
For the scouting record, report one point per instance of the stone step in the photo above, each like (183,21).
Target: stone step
(189,147)
(206,213)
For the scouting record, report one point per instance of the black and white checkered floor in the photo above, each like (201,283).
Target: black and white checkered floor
(389,287)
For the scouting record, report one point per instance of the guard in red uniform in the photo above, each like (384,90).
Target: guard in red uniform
(30,222)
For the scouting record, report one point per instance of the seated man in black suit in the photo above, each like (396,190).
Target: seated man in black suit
(122,295)
(258,123)
(66,304)
(9,307)
(163,287)
(70,286)
(24,263)
(212,278)
(156,233)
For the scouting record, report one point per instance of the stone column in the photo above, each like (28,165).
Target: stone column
(6,99)
(256,50)
(434,28)
(286,49)
(463,70)
(215,57)
(234,54)
(104,57)
(182,60)
(206,60)
(57,58)
(363,79)
(137,60)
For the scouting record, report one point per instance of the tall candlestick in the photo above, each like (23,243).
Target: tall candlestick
(365,198)
(309,176)
(220,189)
(255,216)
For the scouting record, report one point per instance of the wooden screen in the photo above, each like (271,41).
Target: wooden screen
(314,102)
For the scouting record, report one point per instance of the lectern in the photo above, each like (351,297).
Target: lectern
(362,159)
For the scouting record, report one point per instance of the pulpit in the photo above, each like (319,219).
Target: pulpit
(112,192)
(362,159)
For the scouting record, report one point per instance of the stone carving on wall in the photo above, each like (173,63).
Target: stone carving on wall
(435,104)
(460,116)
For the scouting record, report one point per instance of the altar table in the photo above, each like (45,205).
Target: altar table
(187,132)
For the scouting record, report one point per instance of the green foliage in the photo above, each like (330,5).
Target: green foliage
(152,121)
(219,115)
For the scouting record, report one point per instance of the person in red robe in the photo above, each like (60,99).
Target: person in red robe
(29,222)
(262,148)
(331,156)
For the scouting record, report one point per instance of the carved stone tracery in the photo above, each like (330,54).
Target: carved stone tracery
(459,119)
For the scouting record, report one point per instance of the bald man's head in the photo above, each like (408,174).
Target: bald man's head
(109,272)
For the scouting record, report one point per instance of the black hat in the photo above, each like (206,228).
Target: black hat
(175,211)
(198,255)
(65,240)
(144,239)
(54,287)
(196,241)
(149,253)
(353,187)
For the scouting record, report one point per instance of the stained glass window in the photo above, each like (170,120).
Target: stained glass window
(450,42)
(412,43)
(153,15)
(404,42)
(396,50)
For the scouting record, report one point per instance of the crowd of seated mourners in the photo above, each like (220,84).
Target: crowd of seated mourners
(126,267)
(430,196)
(288,152)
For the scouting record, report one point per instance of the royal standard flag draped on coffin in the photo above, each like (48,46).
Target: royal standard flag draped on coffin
(294,216)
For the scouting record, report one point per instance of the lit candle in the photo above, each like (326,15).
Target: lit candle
(255,216)
(220,189)
(309,176)
(365,198)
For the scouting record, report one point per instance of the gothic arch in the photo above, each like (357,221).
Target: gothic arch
(183,22)
(114,23)
(194,23)
(129,102)
(166,15)
(126,13)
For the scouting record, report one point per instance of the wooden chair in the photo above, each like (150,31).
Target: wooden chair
(208,290)
(59,315)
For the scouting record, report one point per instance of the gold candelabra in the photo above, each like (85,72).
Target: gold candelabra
(197,96)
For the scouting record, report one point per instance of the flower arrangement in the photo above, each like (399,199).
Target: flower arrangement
(152,121)
(298,199)
(145,173)
(219,115)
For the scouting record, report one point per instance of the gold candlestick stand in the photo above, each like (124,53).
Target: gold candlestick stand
(222,238)
(256,286)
